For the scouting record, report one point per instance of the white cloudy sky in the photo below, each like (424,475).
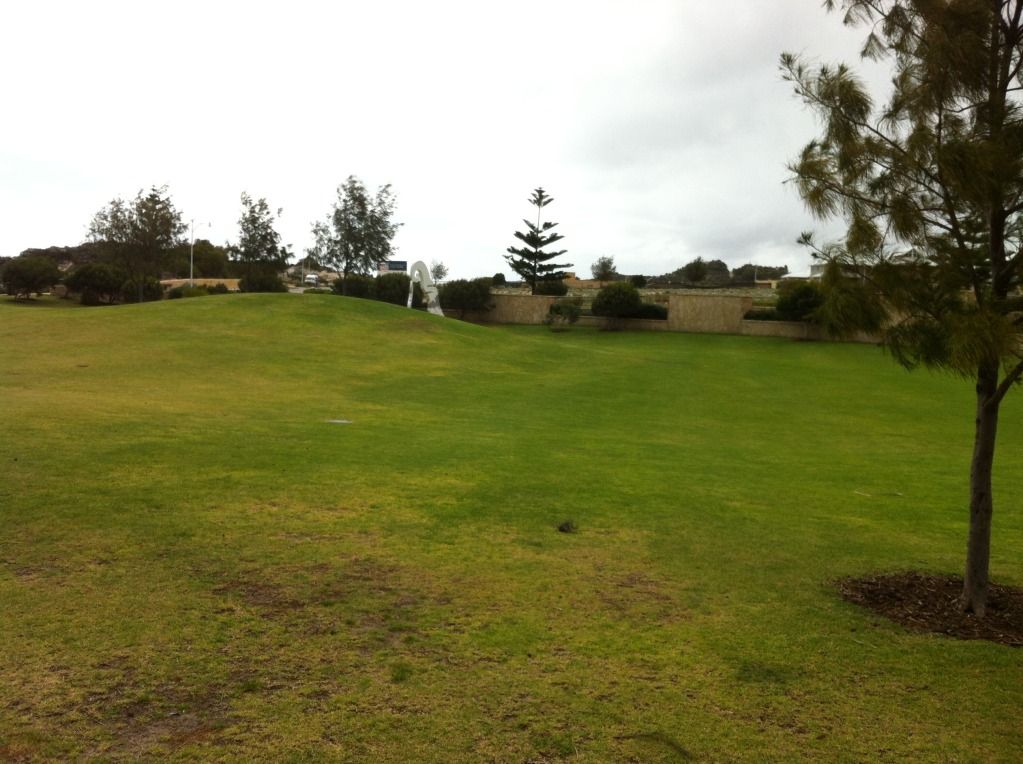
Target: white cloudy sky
(661,127)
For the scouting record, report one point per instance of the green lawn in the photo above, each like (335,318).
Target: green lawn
(195,563)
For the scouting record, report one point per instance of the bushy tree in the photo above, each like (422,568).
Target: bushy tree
(209,261)
(750,273)
(531,262)
(564,313)
(930,185)
(604,269)
(638,281)
(551,287)
(259,253)
(392,288)
(94,283)
(356,236)
(616,301)
(24,276)
(798,301)
(136,234)
(695,271)
(438,271)
(499,279)
(465,295)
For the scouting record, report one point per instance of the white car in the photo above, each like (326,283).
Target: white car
(312,279)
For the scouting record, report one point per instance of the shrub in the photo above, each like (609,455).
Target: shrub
(463,295)
(262,281)
(151,290)
(551,287)
(354,286)
(616,301)
(638,281)
(95,282)
(798,301)
(185,290)
(24,275)
(392,288)
(499,279)
(564,313)
(220,288)
(651,310)
(316,290)
(762,314)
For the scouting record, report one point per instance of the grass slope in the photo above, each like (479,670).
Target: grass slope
(195,563)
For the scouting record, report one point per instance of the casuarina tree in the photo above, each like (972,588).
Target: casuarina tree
(356,236)
(531,261)
(259,249)
(930,184)
(135,235)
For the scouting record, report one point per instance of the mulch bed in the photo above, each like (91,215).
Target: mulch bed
(927,603)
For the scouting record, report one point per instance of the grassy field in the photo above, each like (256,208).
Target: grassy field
(196,563)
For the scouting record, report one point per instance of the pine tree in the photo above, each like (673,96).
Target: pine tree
(531,261)
(931,186)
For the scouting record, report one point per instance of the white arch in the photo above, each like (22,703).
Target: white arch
(418,272)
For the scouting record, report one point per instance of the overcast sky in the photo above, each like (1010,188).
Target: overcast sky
(661,128)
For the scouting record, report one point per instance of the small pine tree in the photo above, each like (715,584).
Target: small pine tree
(531,261)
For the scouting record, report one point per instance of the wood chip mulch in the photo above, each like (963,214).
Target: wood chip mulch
(929,603)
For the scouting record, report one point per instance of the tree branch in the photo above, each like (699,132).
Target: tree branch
(1010,379)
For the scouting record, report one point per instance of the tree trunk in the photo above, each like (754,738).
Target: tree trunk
(978,546)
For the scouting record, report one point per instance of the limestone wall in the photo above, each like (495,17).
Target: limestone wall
(711,314)
(516,309)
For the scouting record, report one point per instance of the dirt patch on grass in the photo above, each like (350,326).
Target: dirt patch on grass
(928,603)
(638,596)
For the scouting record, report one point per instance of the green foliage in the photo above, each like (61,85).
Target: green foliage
(95,283)
(259,253)
(438,271)
(357,234)
(564,313)
(798,301)
(24,276)
(261,278)
(209,261)
(695,271)
(499,279)
(148,289)
(135,236)
(465,295)
(748,273)
(762,314)
(185,290)
(392,288)
(616,301)
(651,310)
(604,268)
(354,285)
(218,288)
(531,261)
(929,186)
(555,287)
(638,281)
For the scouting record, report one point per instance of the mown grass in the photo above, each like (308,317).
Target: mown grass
(195,563)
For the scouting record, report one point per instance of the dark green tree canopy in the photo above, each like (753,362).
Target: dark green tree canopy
(531,261)
(135,235)
(931,187)
(258,240)
(357,234)
(24,276)
(604,268)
